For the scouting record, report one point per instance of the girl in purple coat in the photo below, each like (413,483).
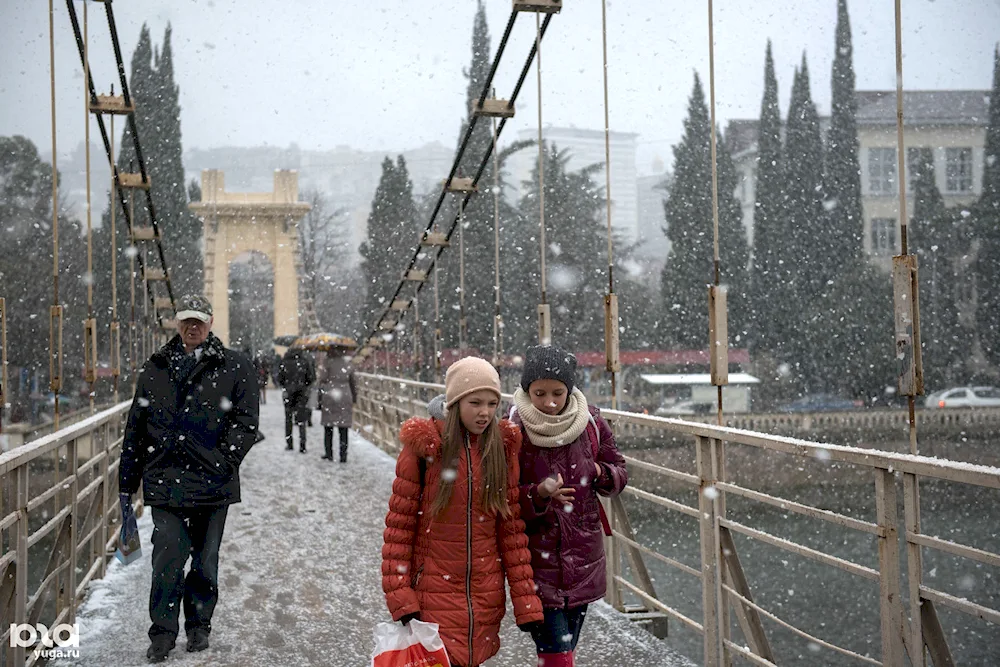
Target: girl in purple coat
(568,456)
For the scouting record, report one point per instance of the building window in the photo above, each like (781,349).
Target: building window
(918,159)
(883,236)
(958,169)
(881,170)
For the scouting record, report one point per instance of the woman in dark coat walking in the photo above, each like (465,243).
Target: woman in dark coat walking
(337,394)
(568,457)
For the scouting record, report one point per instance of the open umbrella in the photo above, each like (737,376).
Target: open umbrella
(286,341)
(326,342)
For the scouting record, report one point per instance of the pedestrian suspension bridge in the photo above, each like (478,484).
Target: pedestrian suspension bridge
(300,564)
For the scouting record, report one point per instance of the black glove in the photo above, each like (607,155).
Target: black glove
(531,627)
(405,620)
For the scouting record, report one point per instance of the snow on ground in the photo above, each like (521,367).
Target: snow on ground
(300,574)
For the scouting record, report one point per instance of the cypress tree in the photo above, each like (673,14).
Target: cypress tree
(688,213)
(181,229)
(808,266)
(945,342)
(988,222)
(392,235)
(157,117)
(804,187)
(844,223)
(769,272)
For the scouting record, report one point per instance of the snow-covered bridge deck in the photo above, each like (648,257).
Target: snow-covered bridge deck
(300,574)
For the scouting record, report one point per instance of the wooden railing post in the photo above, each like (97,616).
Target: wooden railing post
(890,608)
(914,567)
(72,464)
(613,561)
(100,549)
(21,561)
(710,585)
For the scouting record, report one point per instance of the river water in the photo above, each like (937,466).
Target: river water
(827,602)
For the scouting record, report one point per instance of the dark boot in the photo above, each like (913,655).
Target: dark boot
(302,437)
(343,444)
(288,428)
(328,443)
(197,640)
(159,648)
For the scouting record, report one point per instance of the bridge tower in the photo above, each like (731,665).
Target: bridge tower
(237,223)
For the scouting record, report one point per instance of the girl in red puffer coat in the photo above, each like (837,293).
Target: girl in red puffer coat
(453,531)
(568,457)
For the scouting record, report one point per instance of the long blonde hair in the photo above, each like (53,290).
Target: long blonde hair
(494,463)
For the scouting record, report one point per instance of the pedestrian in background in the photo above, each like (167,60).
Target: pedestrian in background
(337,395)
(296,376)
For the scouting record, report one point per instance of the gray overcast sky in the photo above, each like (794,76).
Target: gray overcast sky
(387,75)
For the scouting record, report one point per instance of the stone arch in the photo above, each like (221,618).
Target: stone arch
(236,223)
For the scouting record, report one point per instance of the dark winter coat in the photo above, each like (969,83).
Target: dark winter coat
(297,371)
(337,392)
(567,548)
(193,420)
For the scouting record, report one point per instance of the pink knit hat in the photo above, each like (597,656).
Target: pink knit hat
(467,376)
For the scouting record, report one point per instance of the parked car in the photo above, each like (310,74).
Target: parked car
(964,397)
(821,403)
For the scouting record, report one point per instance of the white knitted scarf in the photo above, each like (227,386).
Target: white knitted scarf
(553,430)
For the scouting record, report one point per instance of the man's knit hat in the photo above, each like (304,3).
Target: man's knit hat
(467,376)
(545,362)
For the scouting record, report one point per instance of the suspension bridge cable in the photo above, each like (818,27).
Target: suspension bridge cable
(497,322)
(419,252)
(90,325)
(114,275)
(55,314)
(461,277)
(715,192)
(541,161)
(118,189)
(610,302)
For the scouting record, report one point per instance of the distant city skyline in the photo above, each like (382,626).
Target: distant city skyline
(251,76)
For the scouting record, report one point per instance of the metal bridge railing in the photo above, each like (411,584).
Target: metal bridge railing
(385,402)
(58,509)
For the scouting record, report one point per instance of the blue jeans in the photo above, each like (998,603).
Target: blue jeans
(177,535)
(560,631)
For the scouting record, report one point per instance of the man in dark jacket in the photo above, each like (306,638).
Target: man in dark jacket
(193,420)
(296,375)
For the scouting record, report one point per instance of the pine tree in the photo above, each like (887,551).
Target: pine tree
(576,263)
(392,236)
(26,268)
(769,271)
(988,222)
(844,224)
(945,342)
(688,212)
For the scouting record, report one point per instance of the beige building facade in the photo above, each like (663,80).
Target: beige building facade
(241,223)
(947,126)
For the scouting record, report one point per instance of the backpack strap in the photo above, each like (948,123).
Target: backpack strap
(595,447)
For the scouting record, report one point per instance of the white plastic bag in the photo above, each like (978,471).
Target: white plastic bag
(416,644)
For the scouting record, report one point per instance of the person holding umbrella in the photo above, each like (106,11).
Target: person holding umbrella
(337,394)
